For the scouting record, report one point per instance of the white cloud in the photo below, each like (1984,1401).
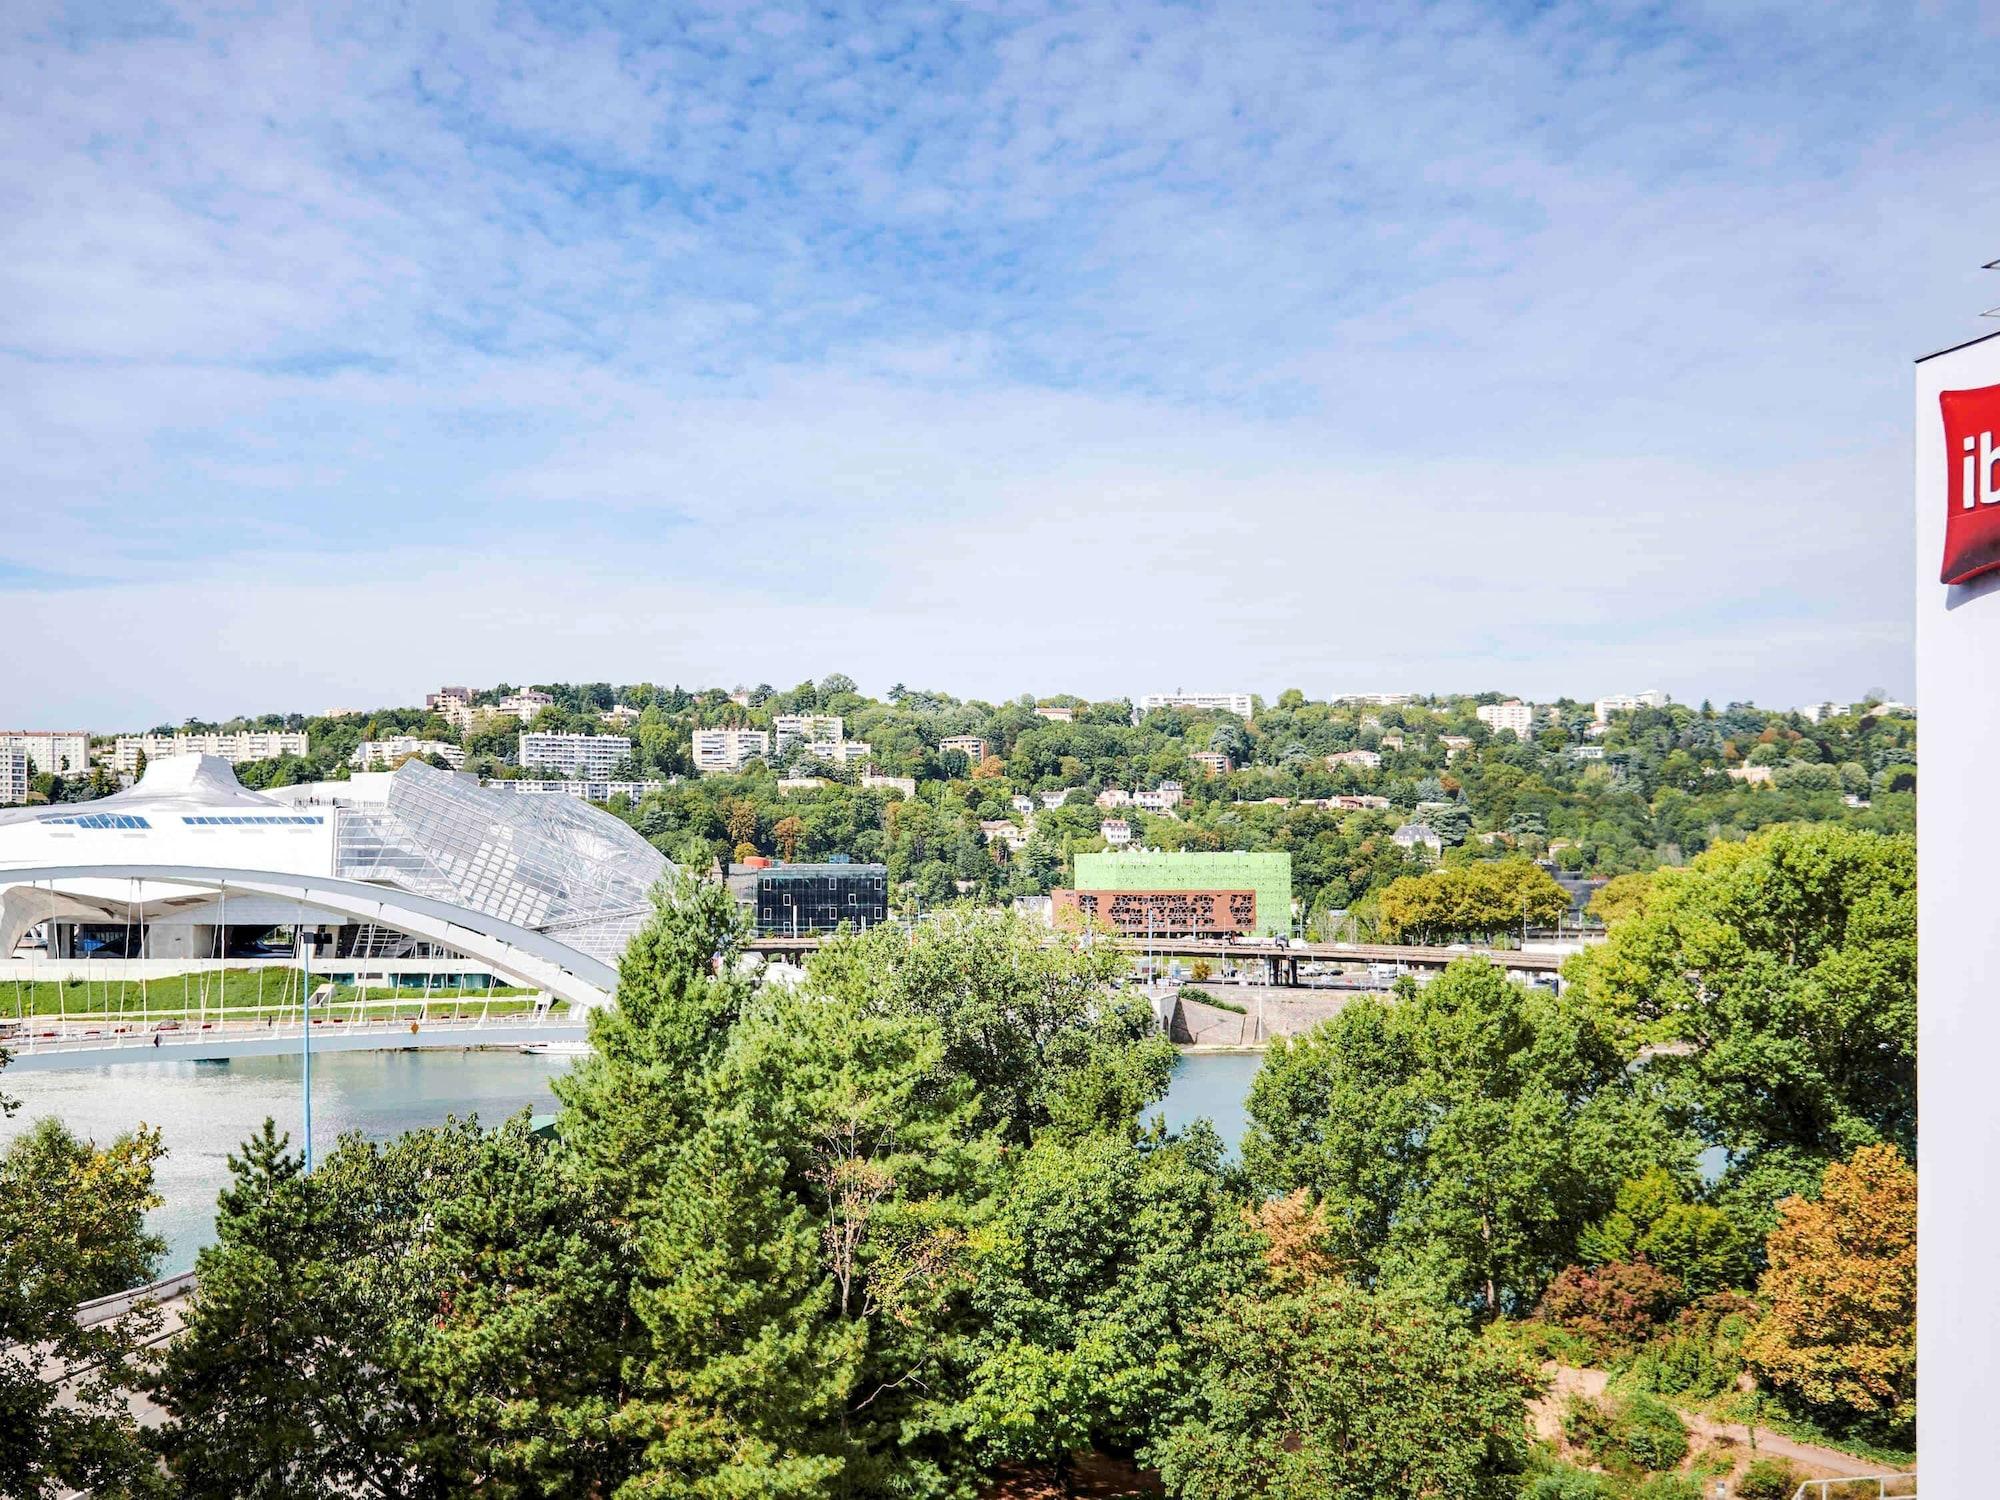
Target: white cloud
(997,347)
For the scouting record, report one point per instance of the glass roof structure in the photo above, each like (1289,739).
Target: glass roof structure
(552,864)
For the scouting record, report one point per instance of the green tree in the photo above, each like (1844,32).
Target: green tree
(1033,1024)
(437,1316)
(72,1227)
(1459,1135)
(1103,1252)
(1781,975)
(1654,1219)
(1337,1393)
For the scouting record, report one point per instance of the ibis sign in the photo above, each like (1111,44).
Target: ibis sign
(1972,482)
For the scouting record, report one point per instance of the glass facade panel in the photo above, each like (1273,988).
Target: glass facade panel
(550,863)
(804,899)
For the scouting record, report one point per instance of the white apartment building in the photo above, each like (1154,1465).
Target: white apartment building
(624,715)
(1163,798)
(51,752)
(1376,700)
(453,705)
(1513,714)
(907,785)
(723,750)
(583,790)
(1116,832)
(1813,713)
(386,755)
(1235,703)
(1367,760)
(248,745)
(971,746)
(575,755)
(791,729)
(841,752)
(1618,703)
(14,772)
(525,704)
(1057,712)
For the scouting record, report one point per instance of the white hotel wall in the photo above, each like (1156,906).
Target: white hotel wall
(1958,1002)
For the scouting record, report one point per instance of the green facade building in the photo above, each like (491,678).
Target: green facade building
(1268,876)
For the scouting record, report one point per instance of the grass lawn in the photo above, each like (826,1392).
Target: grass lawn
(240,994)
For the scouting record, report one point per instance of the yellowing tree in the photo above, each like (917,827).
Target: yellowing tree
(1481,899)
(788,831)
(1841,1333)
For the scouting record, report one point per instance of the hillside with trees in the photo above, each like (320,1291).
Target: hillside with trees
(1657,787)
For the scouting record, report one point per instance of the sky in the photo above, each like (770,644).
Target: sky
(989,347)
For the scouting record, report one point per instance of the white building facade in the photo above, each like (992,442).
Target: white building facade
(575,755)
(1621,703)
(1234,703)
(1513,714)
(1957,492)
(384,755)
(51,752)
(236,748)
(15,768)
(719,751)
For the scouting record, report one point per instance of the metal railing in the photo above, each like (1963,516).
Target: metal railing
(170,1036)
(1866,1487)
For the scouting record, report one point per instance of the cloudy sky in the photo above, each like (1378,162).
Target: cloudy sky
(992,347)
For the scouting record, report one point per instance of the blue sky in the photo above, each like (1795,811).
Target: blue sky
(992,347)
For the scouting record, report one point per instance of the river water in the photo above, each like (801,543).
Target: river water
(205,1110)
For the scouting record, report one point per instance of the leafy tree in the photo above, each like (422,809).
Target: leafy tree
(438,1315)
(1839,1337)
(1617,1306)
(1459,1136)
(1337,1393)
(1103,1252)
(1782,974)
(1654,1220)
(1620,898)
(1032,1023)
(72,1227)
(1460,900)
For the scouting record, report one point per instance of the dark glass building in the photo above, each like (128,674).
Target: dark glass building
(805,899)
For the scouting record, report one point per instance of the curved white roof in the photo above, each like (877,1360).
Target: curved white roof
(175,783)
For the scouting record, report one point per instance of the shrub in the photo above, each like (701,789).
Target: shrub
(1634,1436)
(1701,1354)
(1616,1306)
(1649,1434)
(1768,1479)
(1667,1487)
(1217,1002)
(1568,1484)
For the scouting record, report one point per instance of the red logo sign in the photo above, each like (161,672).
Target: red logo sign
(1972,482)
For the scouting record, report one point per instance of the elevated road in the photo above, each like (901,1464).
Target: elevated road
(1282,959)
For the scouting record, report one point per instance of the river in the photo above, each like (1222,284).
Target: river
(204,1110)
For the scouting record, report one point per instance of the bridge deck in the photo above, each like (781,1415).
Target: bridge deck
(1412,955)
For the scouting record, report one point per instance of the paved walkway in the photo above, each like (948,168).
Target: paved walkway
(1817,1462)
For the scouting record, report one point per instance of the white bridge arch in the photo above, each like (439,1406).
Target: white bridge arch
(534,960)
